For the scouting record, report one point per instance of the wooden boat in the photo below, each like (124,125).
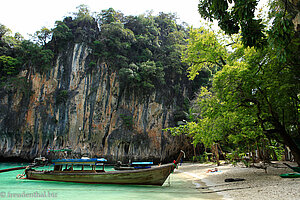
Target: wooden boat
(290,175)
(155,175)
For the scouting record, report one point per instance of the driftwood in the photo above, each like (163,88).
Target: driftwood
(219,185)
(261,166)
(234,179)
(210,186)
(226,189)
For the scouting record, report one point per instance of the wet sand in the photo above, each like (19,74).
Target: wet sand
(258,184)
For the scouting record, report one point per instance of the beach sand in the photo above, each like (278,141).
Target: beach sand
(257,184)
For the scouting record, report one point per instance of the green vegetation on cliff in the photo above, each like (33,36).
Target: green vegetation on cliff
(17,54)
(144,50)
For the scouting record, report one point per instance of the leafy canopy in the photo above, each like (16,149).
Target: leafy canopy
(233,16)
(255,95)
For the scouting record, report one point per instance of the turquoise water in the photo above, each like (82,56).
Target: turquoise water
(177,187)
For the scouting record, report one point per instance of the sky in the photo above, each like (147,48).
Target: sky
(28,16)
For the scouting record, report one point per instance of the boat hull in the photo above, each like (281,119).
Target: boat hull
(153,176)
(290,175)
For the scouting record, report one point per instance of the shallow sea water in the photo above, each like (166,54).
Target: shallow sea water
(176,186)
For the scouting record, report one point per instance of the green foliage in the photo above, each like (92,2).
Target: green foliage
(4,31)
(92,64)
(8,66)
(61,31)
(33,55)
(42,36)
(201,158)
(114,45)
(9,44)
(145,50)
(236,156)
(83,13)
(277,149)
(143,77)
(282,37)
(18,54)
(109,16)
(62,34)
(204,51)
(255,95)
(251,98)
(239,17)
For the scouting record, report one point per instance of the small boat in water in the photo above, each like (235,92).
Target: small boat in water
(92,171)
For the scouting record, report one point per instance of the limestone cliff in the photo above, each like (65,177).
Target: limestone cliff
(75,107)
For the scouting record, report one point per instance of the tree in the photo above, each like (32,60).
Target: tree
(61,34)
(83,13)
(204,50)
(235,15)
(8,66)
(42,36)
(114,44)
(239,17)
(108,16)
(18,37)
(4,31)
(254,93)
(34,57)
(18,54)
(274,84)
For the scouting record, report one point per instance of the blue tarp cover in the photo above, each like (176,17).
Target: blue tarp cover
(142,163)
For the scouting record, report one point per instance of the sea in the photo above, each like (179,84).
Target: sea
(177,186)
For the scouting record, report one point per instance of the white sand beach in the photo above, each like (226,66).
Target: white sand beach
(258,184)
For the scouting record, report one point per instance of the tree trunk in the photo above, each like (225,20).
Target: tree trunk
(259,152)
(216,152)
(288,140)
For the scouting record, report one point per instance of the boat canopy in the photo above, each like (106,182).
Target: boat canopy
(90,161)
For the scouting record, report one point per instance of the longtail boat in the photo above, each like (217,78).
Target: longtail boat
(90,172)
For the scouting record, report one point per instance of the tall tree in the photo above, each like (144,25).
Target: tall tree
(261,83)
(4,30)
(42,36)
(83,13)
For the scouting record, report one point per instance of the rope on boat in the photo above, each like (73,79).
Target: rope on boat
(22,176)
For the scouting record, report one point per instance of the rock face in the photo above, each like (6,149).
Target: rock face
(84,109)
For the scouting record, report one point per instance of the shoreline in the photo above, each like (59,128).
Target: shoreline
(258,184)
